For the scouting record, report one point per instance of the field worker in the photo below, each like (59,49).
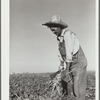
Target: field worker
(70,53)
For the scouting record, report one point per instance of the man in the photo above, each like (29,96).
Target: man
(71,54)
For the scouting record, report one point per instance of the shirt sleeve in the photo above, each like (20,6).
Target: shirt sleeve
(71,45)
(61,59)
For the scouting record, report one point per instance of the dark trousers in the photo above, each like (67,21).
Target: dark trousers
(79,76)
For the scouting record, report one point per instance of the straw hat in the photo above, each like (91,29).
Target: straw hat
(56,22)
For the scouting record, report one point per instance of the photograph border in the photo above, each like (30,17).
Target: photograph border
(5,16)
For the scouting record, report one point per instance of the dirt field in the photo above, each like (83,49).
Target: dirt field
(30,86)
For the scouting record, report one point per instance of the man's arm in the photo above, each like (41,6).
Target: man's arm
(69,48)
(61,65)
(71,45)
(60,59)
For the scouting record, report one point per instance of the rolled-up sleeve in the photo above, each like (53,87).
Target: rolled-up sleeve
(71,45)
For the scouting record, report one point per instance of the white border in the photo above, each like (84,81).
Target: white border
(97,49)
(4,49)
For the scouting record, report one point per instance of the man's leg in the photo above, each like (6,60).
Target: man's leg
(80,84)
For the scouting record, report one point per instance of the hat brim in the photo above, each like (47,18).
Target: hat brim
(54,24)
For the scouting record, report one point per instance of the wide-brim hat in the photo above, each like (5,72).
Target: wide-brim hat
(56,22)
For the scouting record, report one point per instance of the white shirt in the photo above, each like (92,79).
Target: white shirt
(71,45)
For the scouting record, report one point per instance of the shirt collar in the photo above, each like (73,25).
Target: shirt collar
(62,34)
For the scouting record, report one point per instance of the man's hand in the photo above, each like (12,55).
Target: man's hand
(61,63)
(61,66)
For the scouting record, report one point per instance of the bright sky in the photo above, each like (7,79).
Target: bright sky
(33,47)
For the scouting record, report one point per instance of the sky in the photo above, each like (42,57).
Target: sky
(33,47)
